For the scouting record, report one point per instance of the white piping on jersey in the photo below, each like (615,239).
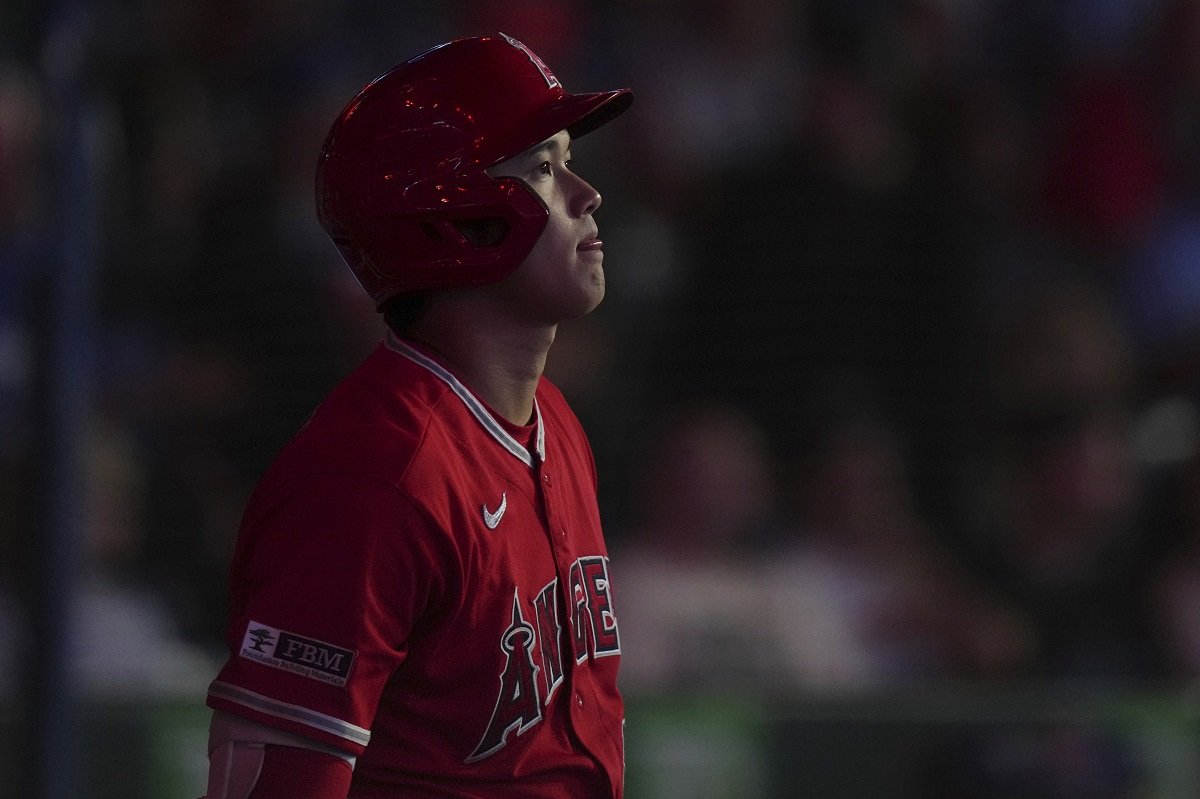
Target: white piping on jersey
(290,712)
(477,408)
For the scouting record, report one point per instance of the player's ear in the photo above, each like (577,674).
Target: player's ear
(489,232)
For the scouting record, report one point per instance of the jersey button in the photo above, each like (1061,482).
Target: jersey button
(546,479)
(579,699)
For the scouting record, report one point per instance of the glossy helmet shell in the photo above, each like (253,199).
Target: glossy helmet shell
(404,164)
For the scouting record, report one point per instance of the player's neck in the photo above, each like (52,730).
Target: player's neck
(501,363)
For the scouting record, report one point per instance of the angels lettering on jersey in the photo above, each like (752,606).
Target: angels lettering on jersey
(534,649)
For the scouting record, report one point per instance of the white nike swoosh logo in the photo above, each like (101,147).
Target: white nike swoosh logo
(493,519)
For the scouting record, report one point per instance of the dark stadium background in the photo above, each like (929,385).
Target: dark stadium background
(893,395)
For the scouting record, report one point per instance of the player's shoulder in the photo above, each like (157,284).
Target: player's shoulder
(554,406)
(373,422)
(549,393)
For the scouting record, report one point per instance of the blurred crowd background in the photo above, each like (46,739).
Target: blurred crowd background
(895,387)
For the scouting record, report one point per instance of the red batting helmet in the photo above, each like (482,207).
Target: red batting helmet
(404,164)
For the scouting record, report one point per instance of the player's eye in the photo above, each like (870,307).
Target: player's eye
(544,168)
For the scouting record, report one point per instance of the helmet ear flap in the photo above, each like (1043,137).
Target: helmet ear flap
(484,218)
(480,237)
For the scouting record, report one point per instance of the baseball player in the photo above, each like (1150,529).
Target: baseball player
(421,603)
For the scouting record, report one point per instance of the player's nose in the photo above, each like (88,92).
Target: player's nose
(585,199)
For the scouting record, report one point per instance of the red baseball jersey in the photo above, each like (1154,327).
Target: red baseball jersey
(416,586)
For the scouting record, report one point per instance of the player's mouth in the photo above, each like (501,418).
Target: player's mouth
(590,245)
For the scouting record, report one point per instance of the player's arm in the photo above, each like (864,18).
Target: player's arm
(248,760)
(333,581)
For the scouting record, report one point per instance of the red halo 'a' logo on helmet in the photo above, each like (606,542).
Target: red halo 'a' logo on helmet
(551,81)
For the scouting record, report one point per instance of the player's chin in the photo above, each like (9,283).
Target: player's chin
(588,297)
(596,285)
(597,297)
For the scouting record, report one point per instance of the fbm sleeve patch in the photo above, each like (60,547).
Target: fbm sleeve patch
(307,657)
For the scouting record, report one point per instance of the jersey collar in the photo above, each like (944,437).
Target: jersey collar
(474,404)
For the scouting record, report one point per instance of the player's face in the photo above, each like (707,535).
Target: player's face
(563,276)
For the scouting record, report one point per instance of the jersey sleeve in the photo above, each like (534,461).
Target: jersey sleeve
(330,575)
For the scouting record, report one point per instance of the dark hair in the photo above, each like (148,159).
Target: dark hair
(402,313)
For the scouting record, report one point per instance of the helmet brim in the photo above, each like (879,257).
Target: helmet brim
(578,114)
(599,108)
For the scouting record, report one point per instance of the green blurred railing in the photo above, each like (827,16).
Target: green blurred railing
(895,744)
(961,742)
